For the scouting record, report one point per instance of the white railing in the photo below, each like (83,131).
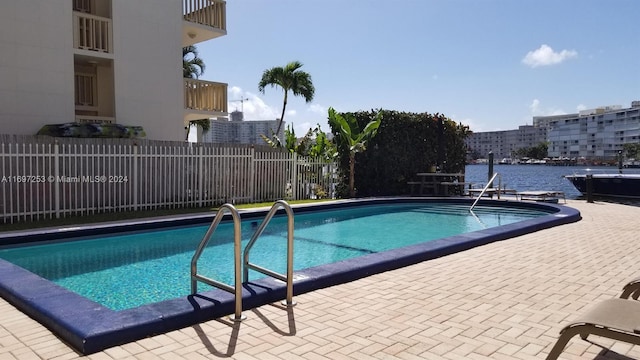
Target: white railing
(51,180)
(206,12)
(205,95)
(92,32)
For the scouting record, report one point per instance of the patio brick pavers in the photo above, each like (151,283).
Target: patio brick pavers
(505,300)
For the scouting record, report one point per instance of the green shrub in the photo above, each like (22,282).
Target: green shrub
(406,143)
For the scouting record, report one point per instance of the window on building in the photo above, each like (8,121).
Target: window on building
(85,90)
(82,6)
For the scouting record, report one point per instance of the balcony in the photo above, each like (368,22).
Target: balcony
(92,33)
(204,99)
(203,20)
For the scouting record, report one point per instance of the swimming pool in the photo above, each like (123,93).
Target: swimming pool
(96,324)
(153,264)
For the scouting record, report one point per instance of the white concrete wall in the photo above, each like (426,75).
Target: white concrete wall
(36,65)
(148,66)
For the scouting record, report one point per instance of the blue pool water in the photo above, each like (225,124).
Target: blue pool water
(133,269)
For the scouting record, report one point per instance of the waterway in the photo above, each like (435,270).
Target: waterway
(535,177)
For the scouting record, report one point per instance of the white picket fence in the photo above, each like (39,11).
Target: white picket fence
(40,180)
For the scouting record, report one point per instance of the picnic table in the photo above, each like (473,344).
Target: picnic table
(438,184)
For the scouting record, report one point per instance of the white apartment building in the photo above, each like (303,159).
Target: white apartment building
(596,134)
(503,144)
(239,131)
(106,61)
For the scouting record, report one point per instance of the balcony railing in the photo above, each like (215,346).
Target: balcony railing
(206,12)
(92,32)
(204,20)
(205,96)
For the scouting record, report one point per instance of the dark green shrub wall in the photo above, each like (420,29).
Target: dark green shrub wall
(406,143)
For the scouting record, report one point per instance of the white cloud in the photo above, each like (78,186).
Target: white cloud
(472,124)
(537,110)
(545,56)
(317,109)
(302,128)
(254,108)
(535,104)
(554,112)
(581,107)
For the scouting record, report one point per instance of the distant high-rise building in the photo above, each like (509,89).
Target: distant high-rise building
(240,131)
(503,144)
(594,134)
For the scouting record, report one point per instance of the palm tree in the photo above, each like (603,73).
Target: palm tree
(356,140)
(192,65)
(289,78)
(205,124)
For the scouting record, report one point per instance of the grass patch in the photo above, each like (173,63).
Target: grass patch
(269,204)
(126,215)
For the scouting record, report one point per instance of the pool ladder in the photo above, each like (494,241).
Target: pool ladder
(237,240)
(195,277)
(288,278)
(489,184)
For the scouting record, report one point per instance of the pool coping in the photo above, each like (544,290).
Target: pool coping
(90,327)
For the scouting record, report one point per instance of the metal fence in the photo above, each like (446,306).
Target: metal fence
(43,178)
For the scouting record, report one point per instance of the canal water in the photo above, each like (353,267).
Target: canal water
(536,177)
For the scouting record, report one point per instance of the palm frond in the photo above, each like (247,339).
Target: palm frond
(192,65)
(289,78)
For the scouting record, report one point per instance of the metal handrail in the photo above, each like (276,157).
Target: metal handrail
(289,277)
(195,277)
(484,190)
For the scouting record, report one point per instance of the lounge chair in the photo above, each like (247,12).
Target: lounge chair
(617,319)
(631,290)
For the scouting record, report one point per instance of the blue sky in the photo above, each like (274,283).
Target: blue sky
(489,64)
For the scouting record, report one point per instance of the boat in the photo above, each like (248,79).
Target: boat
(608,184)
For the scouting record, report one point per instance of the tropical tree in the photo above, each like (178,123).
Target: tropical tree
(322,147)
(289,78)
(631,151)
(204,124)
(314,143)
(539,151)
(192,67)
(355,139)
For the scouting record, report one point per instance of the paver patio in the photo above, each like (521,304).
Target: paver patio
(505,300)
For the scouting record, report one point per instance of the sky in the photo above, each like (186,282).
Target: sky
(488,64)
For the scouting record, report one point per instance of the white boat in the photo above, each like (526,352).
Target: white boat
(608,184)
